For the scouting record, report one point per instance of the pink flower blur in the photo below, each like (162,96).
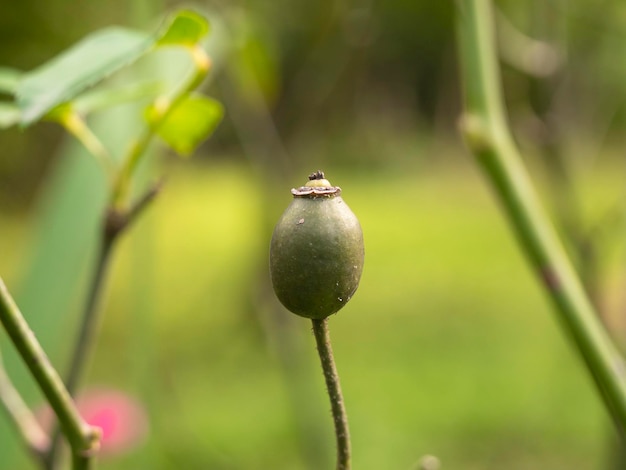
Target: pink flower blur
(121,418)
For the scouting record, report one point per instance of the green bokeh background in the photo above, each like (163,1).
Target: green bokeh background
(449,347)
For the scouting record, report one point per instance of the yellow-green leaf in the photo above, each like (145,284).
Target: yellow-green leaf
(186,28)
(189,124)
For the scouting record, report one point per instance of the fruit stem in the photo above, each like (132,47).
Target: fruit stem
(322,338)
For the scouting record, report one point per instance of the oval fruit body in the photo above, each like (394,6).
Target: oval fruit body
(316,255)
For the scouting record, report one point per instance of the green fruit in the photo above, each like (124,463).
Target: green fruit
(317,252)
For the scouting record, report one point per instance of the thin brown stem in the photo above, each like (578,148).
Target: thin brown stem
(340,417)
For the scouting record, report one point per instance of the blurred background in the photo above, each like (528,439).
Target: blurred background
(449,346)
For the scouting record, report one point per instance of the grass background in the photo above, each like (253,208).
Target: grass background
(448,348)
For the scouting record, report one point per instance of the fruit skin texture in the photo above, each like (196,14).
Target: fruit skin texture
(316,255)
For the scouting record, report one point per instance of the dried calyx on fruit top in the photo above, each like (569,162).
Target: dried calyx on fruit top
(317,186)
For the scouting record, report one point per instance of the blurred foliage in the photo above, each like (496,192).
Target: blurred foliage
(31,32)
(448,347)
(327,68)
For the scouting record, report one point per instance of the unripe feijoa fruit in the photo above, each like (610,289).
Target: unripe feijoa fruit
(316,253)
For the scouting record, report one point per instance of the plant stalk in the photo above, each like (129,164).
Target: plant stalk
(83,438)
(115,222)
(86,334)
(486,132)
(165,106)
(340,417)
(76,126)
(34,437)
(90,319)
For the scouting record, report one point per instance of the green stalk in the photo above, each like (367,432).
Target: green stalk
(28,428)
(118,216)
(82,462)
(90,319)
(340,417)
(486,132)
(165,107)
(114,224)
(76,126)
(84,341)
(83,439)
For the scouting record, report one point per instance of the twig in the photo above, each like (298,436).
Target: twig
(202,64)
(115,222)
(83,438)
(340,417)
(76,126)
(488,137)
(34,437)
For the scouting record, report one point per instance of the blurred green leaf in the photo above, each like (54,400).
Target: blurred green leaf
(186,28)
(103,98)
(190,123)
(86,63)
(94,58)
(254,63)
(9,115)
(9,78)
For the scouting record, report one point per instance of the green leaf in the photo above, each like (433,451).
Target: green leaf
(253,63)
(9,78)
(86,63)
(190,123)
(9,115)
(185,28)
(94,58)
(103,98)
